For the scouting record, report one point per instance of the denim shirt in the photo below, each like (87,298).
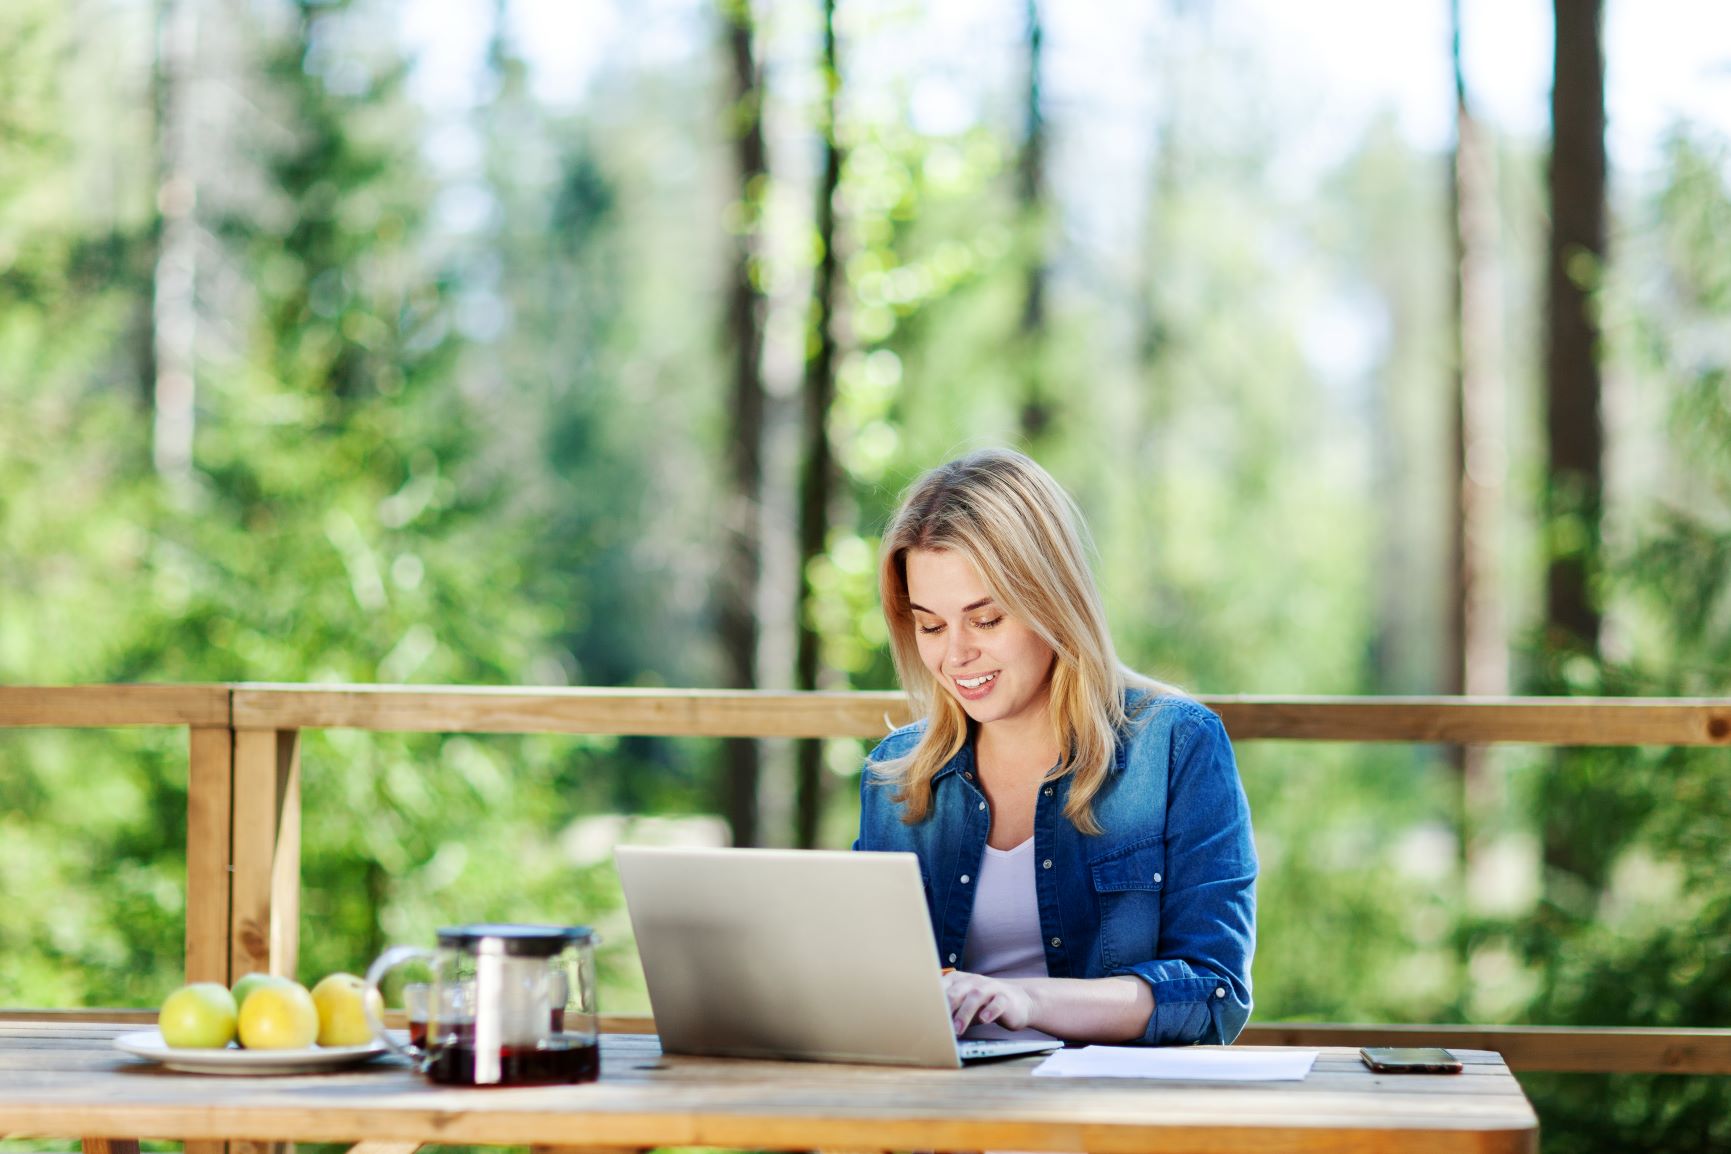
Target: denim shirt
(1166,892)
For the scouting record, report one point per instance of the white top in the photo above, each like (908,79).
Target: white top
(1004,929)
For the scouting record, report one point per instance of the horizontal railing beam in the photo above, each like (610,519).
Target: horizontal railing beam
(101,706)
(1610,721)
(1480,720)
(1553,1049)
(635,712)
(766,713)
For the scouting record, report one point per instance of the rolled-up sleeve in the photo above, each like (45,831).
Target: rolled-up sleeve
(1200,976)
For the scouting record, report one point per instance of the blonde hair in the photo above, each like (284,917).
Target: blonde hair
(1025,538)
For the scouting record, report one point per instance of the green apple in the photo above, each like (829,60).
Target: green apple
(251,982)
(198,1017)
(341,1002)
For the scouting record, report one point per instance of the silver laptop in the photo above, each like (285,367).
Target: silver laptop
(809,954)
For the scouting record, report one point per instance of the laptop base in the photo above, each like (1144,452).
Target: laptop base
(971,1051)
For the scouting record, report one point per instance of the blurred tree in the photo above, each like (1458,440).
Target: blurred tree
(1477,645)
(1037,400)
(92,916)
(360,533)
(173,361)
(817,480)
(1573,495)
(338,524)
(549,334)
(1477,653)
(741,568)
(1574,489)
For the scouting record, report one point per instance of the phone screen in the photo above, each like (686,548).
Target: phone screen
(1410,1060)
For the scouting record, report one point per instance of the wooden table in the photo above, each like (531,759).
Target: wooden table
(66,1080)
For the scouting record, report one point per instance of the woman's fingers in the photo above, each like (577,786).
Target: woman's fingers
(965,1009)
(968,993)
(974,998)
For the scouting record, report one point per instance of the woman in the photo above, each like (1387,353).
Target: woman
(1081,830)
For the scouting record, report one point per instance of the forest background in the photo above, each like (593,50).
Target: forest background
(512,342)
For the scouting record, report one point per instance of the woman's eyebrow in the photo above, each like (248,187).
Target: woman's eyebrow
(980,604)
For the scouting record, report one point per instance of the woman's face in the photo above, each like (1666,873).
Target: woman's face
(997,667)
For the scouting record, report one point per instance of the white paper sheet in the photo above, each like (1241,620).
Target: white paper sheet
(1185,1063)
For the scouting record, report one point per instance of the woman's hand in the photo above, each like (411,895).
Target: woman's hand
(974,997)
(1113,1010)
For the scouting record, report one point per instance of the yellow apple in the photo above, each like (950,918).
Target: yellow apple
(251,982)
(278,1016)
(198,1017)
(341,1001)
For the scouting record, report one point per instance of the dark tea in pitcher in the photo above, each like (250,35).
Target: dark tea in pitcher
(558,1060)
(418,1013)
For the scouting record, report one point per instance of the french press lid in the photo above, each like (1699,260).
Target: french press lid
(515,941)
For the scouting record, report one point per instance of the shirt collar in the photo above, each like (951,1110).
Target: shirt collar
(963,761)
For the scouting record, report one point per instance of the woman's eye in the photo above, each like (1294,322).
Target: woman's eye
(931,629)
(988,624)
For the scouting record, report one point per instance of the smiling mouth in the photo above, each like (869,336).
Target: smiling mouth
(975,682)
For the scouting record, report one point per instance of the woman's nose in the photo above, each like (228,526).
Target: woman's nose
(962,649)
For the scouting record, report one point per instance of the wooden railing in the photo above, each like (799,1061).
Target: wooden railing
(243,821)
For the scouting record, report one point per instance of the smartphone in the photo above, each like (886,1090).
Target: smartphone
(1410,1060)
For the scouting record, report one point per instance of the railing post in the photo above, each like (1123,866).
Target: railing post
(209,852)
(265,922)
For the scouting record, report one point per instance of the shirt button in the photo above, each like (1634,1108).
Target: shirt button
(1047,864)
(967,776)
(982,805)
(1048,791)
(1156,879)
(964,879)
(1056,942)
(1219,991)
(952,959)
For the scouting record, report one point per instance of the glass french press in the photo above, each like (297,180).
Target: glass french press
(508,1005)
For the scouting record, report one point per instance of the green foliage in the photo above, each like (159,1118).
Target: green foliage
(1636,928)
(343,524)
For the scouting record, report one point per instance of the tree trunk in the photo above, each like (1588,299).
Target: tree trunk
(1575,485)
(741,568)
(1574,489)
(1036,413)
(817,468)
(174,300)
(1479,639)
(1477,643)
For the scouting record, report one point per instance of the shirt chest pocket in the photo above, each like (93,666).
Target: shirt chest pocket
(1128,884)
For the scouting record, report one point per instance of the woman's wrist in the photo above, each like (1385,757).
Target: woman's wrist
(1106,1010)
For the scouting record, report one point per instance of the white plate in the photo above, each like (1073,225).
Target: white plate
(234,1060)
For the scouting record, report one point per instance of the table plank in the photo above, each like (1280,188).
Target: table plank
(66,1075)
